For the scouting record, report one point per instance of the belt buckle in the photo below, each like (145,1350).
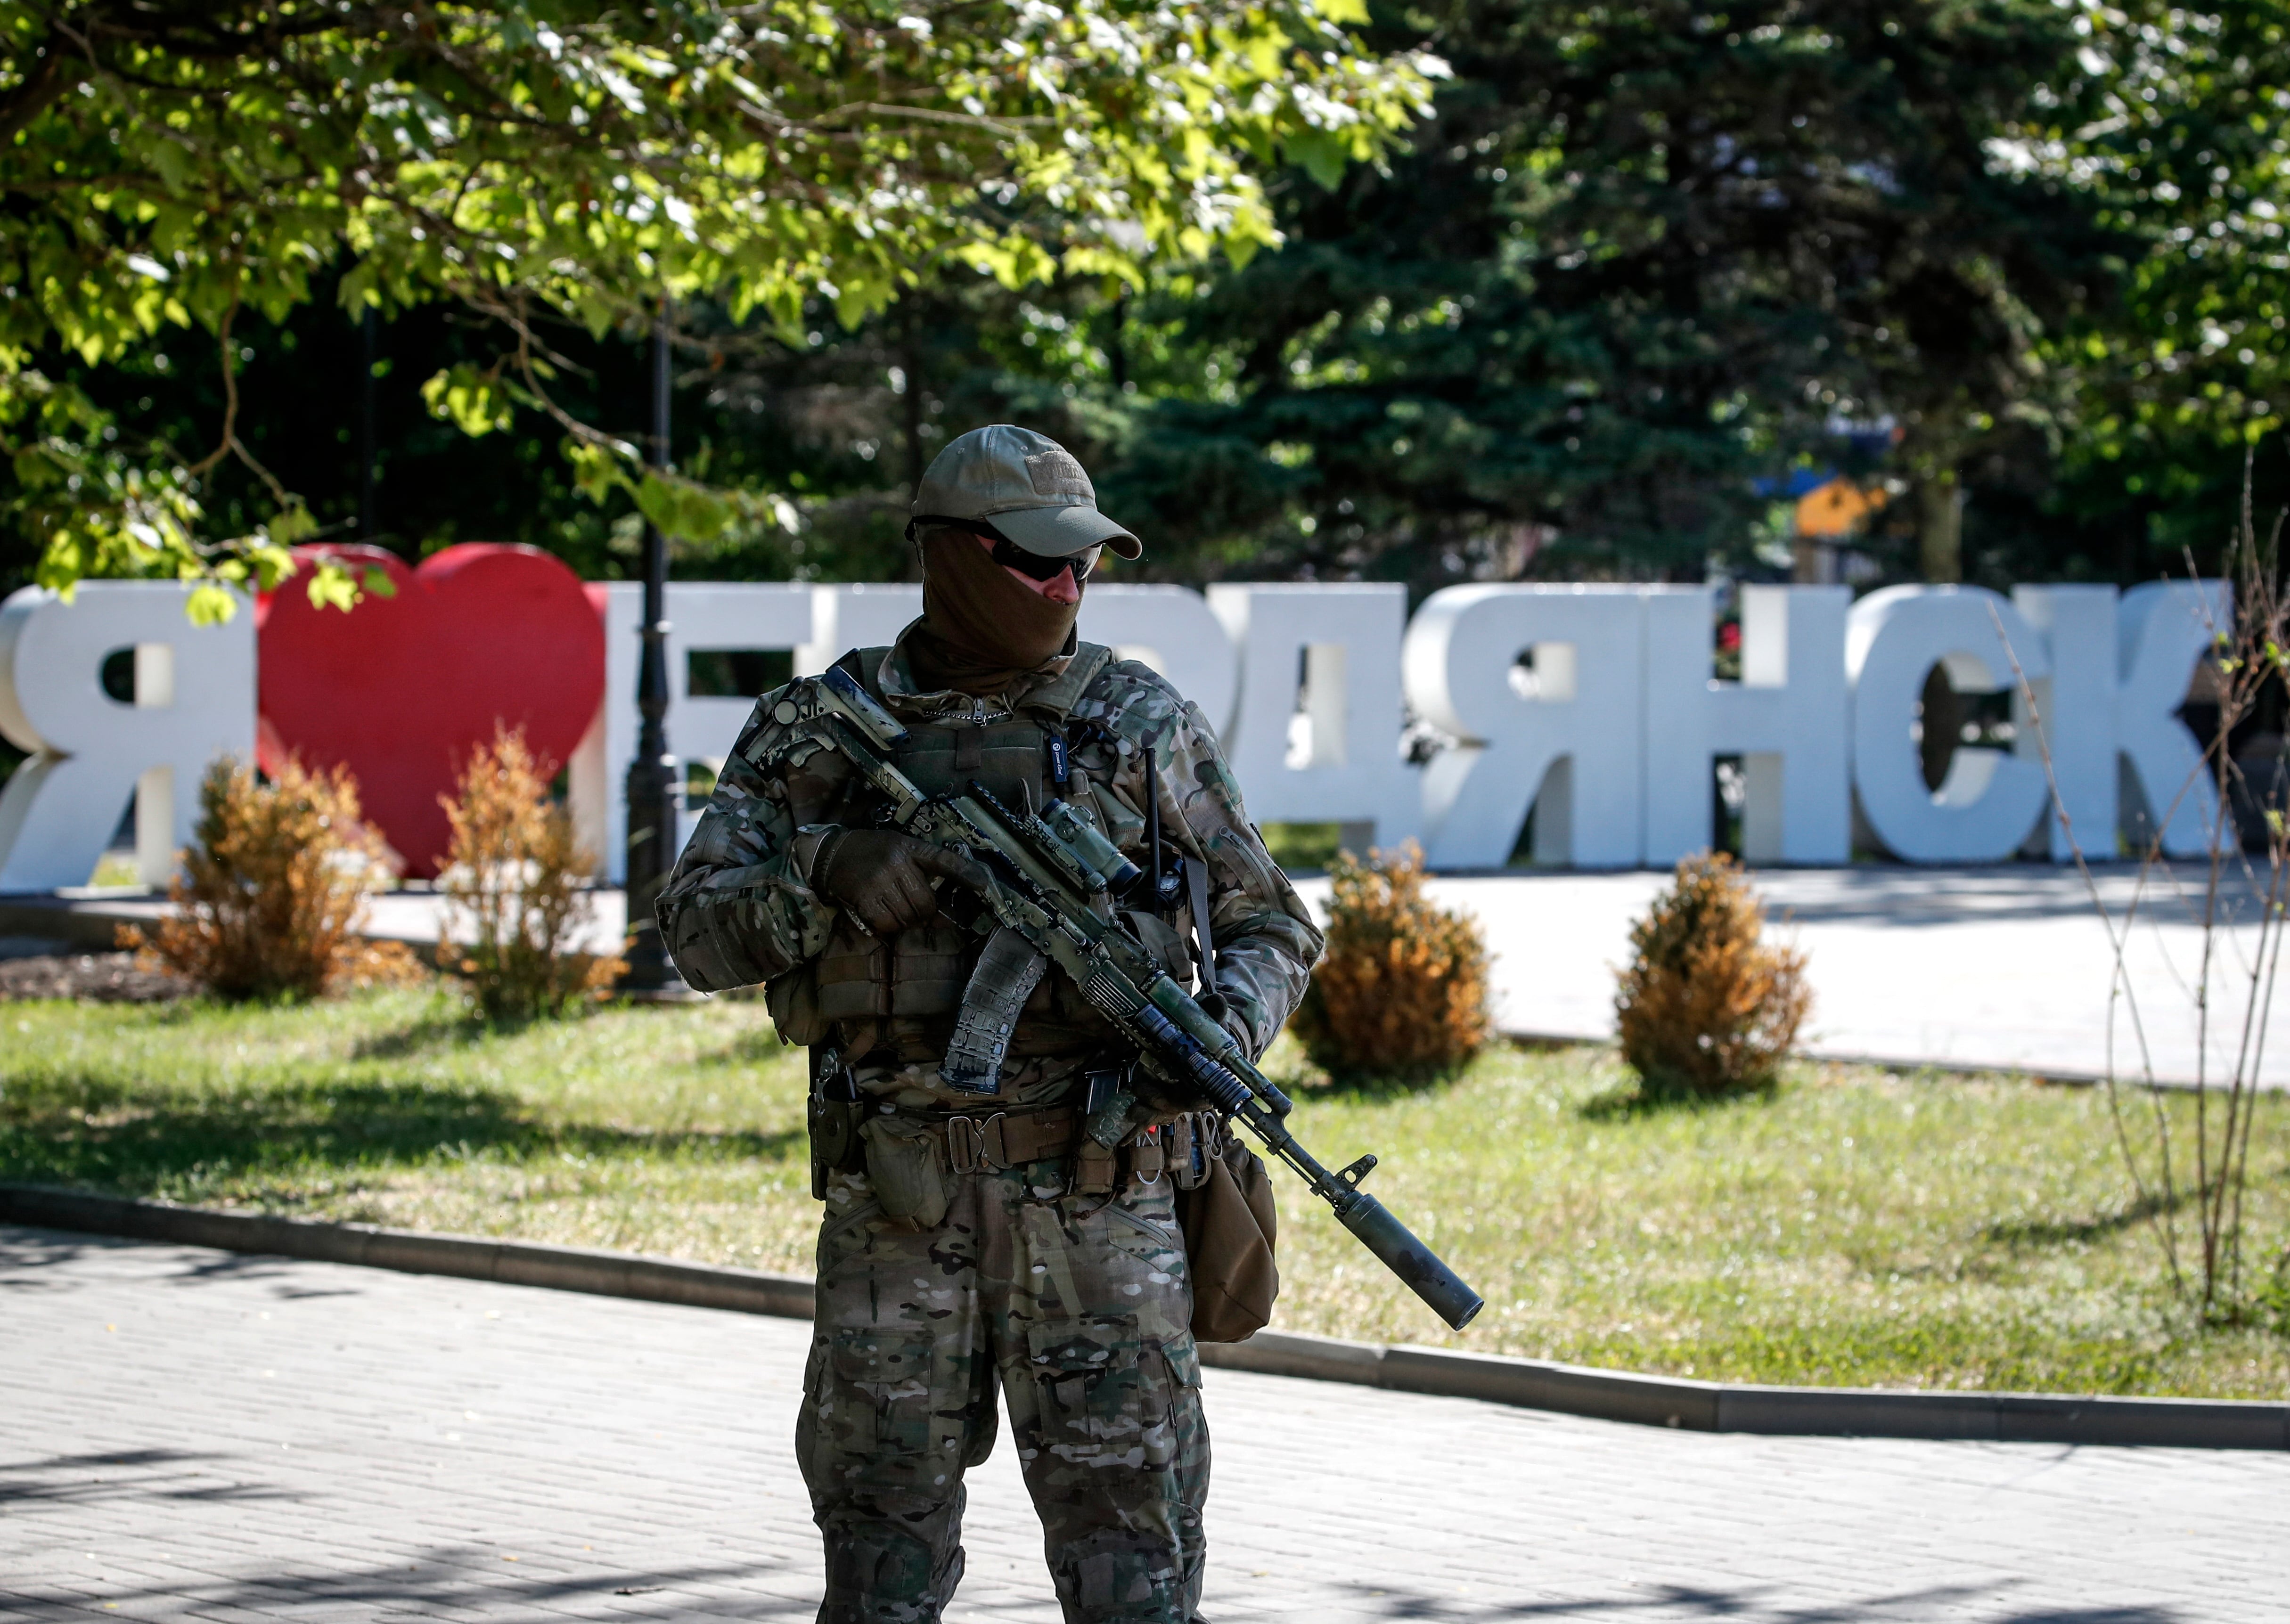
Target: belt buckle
(972,1146)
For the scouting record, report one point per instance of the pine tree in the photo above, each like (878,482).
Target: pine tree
(1640,256)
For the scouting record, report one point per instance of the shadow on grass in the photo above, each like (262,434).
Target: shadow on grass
(1629,1101)
(126,1140)
(1380,1087)
(2074,1231)
(452,1022)
(440,1028)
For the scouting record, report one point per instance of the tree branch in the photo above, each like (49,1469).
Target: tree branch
(41,87)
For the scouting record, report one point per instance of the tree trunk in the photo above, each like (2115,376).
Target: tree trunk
(1940,526)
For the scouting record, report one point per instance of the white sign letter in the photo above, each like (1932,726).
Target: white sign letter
(2166,627)
(1545,686)
(1785,718)
(1316,740)
(2076,707)
(194,701)
(1991,800)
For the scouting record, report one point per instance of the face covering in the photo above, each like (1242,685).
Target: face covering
(981,629)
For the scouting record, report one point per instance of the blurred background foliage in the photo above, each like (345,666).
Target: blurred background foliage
(2016,265)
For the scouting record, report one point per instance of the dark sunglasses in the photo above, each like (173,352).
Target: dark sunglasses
(1011,555)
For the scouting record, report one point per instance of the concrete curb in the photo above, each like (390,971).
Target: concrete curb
(1533,1384)
(1716,1406)
(560,1268)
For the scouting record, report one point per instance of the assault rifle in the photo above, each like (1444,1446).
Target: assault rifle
(1054,886)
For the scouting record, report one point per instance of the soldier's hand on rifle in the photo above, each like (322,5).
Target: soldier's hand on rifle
(883,877)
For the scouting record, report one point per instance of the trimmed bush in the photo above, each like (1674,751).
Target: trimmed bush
(1403,989)
(1704,1007)
(515,883)
(269,899)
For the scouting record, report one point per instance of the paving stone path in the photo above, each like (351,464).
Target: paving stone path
(192,1435)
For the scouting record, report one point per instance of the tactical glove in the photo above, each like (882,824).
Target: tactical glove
(882,878)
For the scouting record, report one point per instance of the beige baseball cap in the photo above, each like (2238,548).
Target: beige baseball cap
(1027,486)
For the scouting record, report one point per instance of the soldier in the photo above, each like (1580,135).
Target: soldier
(972,1242)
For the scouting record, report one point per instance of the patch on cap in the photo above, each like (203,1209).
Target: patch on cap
(1055,473)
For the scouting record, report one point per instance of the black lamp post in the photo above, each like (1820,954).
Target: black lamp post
(654,786)
(369,347)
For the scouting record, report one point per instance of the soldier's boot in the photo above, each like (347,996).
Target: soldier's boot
(1103,1385)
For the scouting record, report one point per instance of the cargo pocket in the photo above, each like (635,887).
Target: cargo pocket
(1104,1403)
(1183,1359)
(1148,1231)
(874,1408)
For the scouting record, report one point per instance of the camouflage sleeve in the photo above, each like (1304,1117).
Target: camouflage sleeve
(1266,942)
(739,907)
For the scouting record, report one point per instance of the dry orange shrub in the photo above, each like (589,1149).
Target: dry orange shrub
(269,899)
(516,878)
(1403,990)
(1704,1007)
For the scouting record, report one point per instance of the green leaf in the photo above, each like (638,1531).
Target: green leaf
(599,470)
(681,508)
(474,401)
(210,605)
(292,523)
(332,586)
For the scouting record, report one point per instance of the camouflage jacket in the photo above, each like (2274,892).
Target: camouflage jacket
(741,909)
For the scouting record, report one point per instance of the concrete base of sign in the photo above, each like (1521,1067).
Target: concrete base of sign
(88,920)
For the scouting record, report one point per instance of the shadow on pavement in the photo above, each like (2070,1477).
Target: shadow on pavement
(27,1254)
(1751,1603)
(466,1581)
(445,1583)
(125,1475)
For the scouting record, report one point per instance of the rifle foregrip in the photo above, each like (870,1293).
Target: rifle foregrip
(1226,1091)
(1410,1259)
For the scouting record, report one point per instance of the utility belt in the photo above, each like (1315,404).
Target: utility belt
(911,1157)
(972,1143)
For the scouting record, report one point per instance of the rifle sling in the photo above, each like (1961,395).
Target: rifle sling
(1197,883)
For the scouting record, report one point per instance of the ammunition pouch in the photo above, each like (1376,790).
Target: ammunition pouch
(906,1164)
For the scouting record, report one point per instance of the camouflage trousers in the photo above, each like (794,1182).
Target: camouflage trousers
(1079,1309)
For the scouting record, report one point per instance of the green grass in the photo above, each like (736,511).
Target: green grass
(1856,1226)
(1303,848)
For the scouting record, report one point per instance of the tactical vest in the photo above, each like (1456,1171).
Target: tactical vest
(904,993)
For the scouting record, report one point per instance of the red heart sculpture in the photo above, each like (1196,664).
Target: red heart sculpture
(401,689)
